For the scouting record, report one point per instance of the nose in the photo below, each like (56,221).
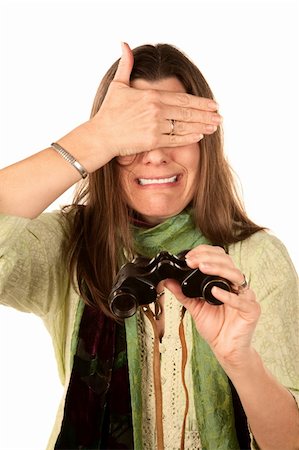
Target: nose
(157,156)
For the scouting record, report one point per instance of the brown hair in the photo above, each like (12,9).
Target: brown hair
(100,215)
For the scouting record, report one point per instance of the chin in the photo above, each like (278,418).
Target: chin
(156,216)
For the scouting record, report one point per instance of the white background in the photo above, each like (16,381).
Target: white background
(53,55)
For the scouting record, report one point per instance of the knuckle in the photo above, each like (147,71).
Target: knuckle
(179,127)
(151,95)
(186,114)
(181,140)
(153,110)
(187,139)
(258,307)
(219,248)
(202,256)
(183,99)
(230,260)
(173,139)
(204,247)
(238,275)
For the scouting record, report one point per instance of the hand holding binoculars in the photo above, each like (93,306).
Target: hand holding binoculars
(136,282)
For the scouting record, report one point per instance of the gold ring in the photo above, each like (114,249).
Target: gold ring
(243,287)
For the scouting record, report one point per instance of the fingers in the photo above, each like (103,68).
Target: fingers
(222,268)
(186,115)
(182,128)
(177,141)
(244,302)
(139,120)
(184,133)
(213,260)
(191,114)
(125,65)
(188,101)
(204,249)
(174,287)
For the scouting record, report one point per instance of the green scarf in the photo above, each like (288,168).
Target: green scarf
(212,394)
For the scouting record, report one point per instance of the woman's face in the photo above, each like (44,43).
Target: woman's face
(160,183)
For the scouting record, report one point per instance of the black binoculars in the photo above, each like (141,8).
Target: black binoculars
(136,282)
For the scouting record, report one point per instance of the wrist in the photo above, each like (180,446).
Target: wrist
(70,159)
(241,363)
(89,150)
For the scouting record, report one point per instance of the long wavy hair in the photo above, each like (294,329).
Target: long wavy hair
(99,215)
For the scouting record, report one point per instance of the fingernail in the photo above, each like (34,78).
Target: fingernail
(215,289)
(211,128)
(189,254)
(217,119)
(213,105)
(190,260)
(123,44)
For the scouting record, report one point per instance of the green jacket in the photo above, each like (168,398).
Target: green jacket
(34,278)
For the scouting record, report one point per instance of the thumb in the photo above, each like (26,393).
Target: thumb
(174,287)
(125,65)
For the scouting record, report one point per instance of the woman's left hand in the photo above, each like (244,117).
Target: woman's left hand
(227,328)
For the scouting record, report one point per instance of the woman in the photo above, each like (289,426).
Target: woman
(158,181)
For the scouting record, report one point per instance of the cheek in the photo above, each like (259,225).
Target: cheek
(188,157)
(123,180)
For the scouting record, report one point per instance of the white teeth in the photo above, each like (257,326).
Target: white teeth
(144,181)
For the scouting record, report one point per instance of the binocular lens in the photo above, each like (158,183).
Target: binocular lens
(197,285)
(136,283)
(207,288)
(123,304)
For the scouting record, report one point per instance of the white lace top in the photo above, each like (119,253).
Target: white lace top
(171,380)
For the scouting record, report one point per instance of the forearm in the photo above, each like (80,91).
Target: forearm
(28,187)
(271,410)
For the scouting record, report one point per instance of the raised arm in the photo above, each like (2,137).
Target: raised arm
(129,121)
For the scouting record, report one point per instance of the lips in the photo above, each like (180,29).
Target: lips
(157,180)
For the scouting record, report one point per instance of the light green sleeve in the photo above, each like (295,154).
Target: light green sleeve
(266,263)
(33,276)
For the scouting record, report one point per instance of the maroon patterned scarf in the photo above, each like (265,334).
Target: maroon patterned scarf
(97,411)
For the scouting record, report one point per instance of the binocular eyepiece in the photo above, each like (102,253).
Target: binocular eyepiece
(136,282)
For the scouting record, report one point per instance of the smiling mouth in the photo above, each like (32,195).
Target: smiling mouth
(147,181)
